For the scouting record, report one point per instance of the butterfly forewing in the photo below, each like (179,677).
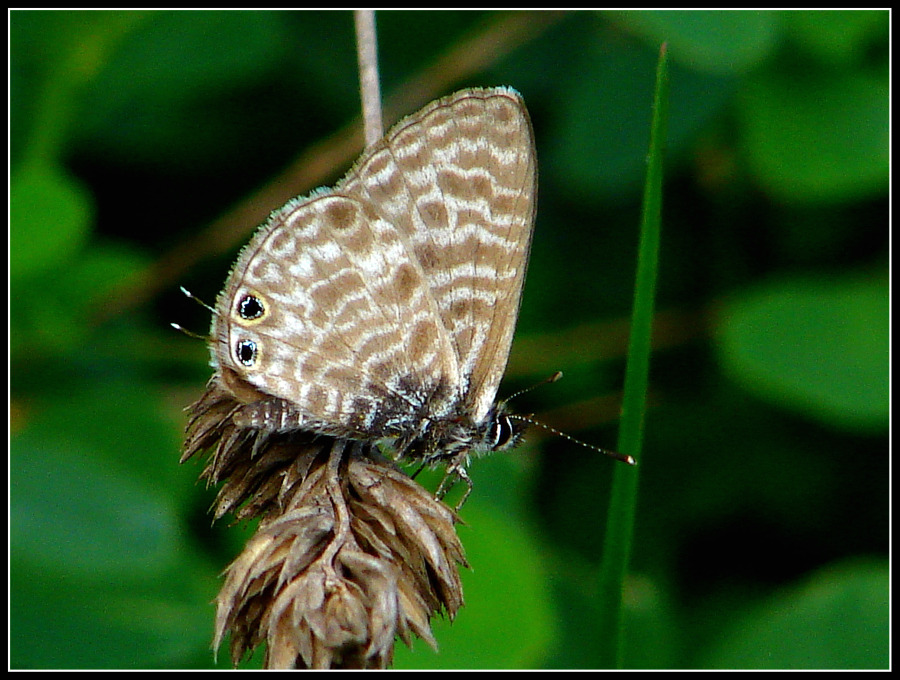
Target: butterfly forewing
(458,180)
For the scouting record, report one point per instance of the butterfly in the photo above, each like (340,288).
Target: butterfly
(383,309)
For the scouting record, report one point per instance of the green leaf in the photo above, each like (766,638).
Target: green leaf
(50,215)
(837,37)
(819,347)
(174,74)
(68,510)
(100,574)
(817,137)
(723,42)
(68,295)
(623,498)
(839,619)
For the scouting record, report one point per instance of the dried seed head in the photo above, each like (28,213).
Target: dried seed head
(349,553)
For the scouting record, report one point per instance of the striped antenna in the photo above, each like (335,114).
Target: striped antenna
(623,457)
(179,327)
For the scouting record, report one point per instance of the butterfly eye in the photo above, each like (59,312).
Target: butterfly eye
(246,352)
(250,307)
(501,433)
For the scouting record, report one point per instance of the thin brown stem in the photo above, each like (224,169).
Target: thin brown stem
(369,86)
(338,501)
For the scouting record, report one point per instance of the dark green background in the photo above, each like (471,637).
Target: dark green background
(762,527)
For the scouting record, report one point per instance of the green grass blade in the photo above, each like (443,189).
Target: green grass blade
(623,499)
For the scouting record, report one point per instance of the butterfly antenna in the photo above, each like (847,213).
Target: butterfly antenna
(190,334)
(179,327)
(193,297)
(623,457)
(550,379)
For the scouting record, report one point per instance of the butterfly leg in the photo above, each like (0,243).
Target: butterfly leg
(456,470)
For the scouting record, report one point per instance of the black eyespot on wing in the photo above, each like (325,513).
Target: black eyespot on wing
(251,307)
(245,351)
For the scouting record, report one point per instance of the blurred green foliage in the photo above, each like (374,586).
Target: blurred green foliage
(762,527)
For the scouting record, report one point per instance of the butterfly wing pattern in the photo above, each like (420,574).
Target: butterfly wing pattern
(384,308)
